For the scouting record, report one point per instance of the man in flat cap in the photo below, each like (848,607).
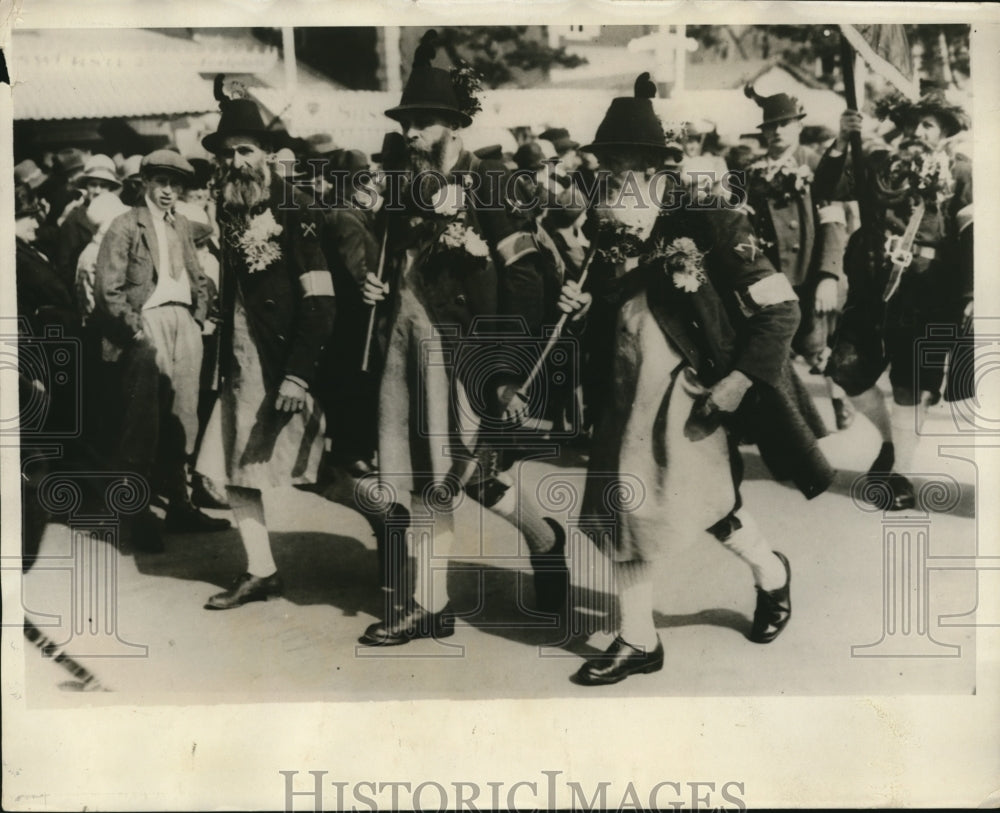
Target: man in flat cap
(150,304)
(277,308)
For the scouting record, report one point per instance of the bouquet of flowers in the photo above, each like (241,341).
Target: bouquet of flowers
(623,232)
(257,241)
(459,236)
(779,181)
(922,173)
(683,261)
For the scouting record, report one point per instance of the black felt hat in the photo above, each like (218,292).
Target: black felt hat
(559,136)
(433,90)
(777,108)
(903,113)
(240,116)
(632,122)
(394,152)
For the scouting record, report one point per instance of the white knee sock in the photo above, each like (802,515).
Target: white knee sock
(871,404)
(906,422)
(749,544)
(248,511)
(521,509)
(430,588)
(634,581)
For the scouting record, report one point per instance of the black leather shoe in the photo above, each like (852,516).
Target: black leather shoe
(774,609)
(205,494)
(889,491)
(551,575)
(416,623)
(843,413)
(190,520)
(619,661)
(245,589)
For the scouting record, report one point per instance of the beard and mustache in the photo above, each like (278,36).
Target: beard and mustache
(243,188)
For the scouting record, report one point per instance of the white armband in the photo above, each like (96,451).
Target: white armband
(316,283)
(771,290)
(832,213)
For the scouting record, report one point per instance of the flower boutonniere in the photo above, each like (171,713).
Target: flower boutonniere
(684,262)
(449,200)
(780,181)
(257,242)
(459,236)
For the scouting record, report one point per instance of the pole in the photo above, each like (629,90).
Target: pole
(371,317)
(291,70)
(861,186)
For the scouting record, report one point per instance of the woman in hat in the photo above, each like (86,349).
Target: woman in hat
(700,330)
(921,180)
(76,230)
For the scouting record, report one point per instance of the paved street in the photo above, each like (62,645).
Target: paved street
(303,645)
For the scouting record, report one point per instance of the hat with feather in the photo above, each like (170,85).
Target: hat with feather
(631,122)
(449,94)
(904,113)
(240,116)
(775,109)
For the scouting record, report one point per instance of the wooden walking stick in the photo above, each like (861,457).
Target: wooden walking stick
(371,317)
(557,332)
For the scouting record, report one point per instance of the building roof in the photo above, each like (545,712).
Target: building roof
(95,73)
(735,73)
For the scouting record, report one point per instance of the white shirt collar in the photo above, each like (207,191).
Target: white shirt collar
(154,209)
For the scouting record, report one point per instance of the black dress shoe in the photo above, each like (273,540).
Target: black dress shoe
(415,623)
(245,589)
(205,494)
(551,575)
(843,413)
(889,491)
(619,661)
(190,520)
(774,609)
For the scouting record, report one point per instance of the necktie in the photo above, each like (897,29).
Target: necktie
(175,248)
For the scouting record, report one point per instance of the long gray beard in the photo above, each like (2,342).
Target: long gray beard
(432,160)
(243,190)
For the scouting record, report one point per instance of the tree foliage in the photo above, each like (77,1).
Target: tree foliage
(945,48)
(497,53)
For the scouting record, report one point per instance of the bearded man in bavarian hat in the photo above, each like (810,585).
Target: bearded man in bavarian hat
(804,235)
(701,329)
(455,258)
(277,308)
(894,300)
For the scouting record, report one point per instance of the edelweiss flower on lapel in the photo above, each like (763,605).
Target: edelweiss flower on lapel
(449,200)
(257,243)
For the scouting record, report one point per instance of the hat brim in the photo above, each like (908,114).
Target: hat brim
(632,145)
(150,169)
(396,113)
(779,120)
(104,178)
(213,141)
